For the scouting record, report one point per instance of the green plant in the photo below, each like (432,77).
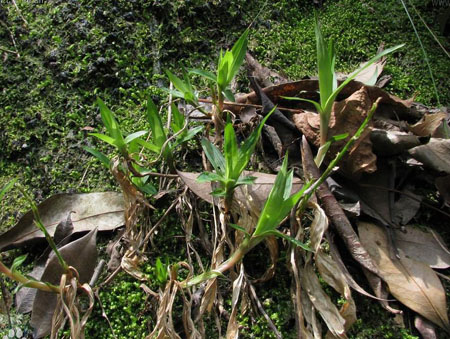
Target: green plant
(230,165)
(328,86)
(277,206)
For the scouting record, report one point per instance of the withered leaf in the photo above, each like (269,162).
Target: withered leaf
(321,301)
(258,192)
(80,254)
(423,246)
(104,211)
(430,124)
(435,154)
(413,283)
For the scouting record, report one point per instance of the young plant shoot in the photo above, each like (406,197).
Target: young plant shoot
(328,86)
(230,165)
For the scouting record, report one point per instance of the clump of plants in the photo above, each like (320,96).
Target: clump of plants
(147,166)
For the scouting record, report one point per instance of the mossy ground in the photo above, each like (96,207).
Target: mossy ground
(73,51)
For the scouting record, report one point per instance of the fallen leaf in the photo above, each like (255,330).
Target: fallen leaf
(257,193)
(411,282)
(370,75)
(321,301)
(25,296)
(104,211)
(429,125)
(346,117)
(443,186)
(319,226)
(435,154)
(333,276)
(423,246)
(388,143)
(80,254)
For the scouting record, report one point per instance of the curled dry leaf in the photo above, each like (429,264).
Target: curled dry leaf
(429,125)
(80,254)
(435,154)
(334,277)
(346,117)
(411,282)
(319,226)
(25,296)
(233,326)
(104,211)
(321,301)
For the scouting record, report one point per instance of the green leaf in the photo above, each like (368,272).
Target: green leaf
(161,272)
(18,261)
(206,74)
(104,138)
(143,187)
(156,125)
(229,95)
(208,177)
(106,114)
(177,82)
(214,156)
(134,135)
(316,104)
(220,192)
(238,52)
(112,126)
(248,180)
(288,238)
(177,119)
(334,95)
(230,150)
(325,63)
(7,187)
(148,145)
(240,228)
(99,155)
(188,135)
(249,145)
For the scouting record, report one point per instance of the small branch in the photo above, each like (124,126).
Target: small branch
(20,13)
(228,103)
(9,51)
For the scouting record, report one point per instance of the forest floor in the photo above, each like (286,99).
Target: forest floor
(59,56)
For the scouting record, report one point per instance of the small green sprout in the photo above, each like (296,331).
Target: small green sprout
(230,165)
(328,86)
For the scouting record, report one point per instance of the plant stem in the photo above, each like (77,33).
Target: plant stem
(38,222)
(29,283)
(247,244)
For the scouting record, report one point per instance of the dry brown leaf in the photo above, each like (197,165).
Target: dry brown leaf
(429,125)
(82,255)
(422,246)
(319,226)
(435,154)
(443,186)
(346,117)
(233,326)
(388,143)
(413,283)
(334,277)
(257,193)
(321,301)
(104,211)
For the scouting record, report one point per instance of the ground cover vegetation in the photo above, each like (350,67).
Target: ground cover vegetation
(79,77)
